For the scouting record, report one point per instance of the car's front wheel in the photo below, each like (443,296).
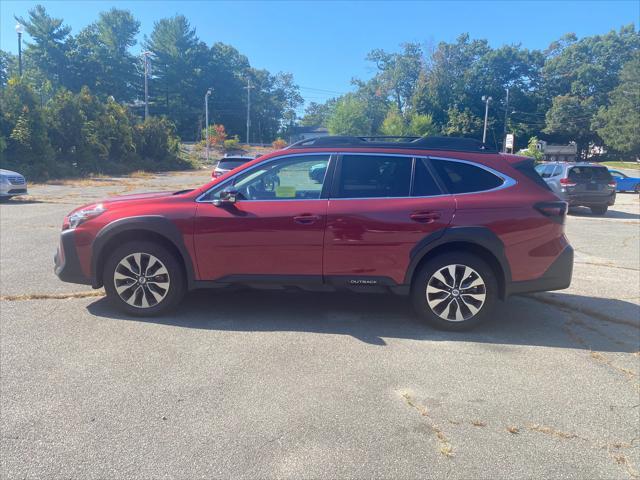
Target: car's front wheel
(143,278)
(454,291)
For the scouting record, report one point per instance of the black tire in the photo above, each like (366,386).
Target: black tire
(426,273)
(174,279)
(637,189)
(600,210)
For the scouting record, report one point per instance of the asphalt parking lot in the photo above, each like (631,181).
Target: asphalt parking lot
(301,385)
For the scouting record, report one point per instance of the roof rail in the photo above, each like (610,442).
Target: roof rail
(458,144)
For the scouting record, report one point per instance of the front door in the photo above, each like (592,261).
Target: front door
(275,227)
(381,208)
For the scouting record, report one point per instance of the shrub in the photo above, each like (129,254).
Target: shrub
(232,143)
(217,135)
(279,143)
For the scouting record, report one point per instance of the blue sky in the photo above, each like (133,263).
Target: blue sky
(324,44)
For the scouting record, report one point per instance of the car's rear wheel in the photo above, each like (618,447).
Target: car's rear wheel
(599,210)
(637,189)
(454,291)
(143,278)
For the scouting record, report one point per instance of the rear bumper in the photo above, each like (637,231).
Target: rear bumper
(586,200)
(557,276)
(67,264)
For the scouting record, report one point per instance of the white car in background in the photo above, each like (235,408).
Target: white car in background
(11,184)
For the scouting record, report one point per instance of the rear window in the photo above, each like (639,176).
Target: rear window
(586,174)
(231,163)
(462,177)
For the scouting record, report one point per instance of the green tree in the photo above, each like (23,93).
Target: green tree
(398,72)
(422,125)
(317,114)
(619,123)
(393,124)
(349,118)
(49,47)
(99,56)
(532,150)
(569,119)
(462,123)
(23,131)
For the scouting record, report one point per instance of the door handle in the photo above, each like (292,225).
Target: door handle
(306,219)
(425,217)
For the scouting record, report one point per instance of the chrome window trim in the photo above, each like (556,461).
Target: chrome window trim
(242,172)
(507,180)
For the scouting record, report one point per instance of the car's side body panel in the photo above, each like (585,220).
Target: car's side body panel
(374,237)
(260,237)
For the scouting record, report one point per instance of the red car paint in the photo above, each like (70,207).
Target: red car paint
(340,237)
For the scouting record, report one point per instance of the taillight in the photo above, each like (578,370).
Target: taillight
(556,211)
(565,182)
(612,184)
(215,174)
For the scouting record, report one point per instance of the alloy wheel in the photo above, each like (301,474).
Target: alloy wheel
(141,280)
(456,293)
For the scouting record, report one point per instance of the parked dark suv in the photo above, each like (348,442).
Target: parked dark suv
(581,184)
(448,221)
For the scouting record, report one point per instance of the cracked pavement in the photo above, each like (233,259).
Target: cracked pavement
(306,385)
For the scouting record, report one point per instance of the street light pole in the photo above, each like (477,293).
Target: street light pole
(248,87)
(506,119)
(206,119)
(486,116)
(145,56)
(19,31)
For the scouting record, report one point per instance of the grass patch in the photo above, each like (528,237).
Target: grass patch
(627,165)
(52,296)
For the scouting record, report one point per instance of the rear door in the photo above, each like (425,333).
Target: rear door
(380,208)
(590,181)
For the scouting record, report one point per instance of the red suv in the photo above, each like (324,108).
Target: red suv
(446,220)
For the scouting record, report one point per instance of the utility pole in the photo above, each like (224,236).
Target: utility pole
(206,118)
(145,56)
(248,87)
(486,116)
(19,31)
(506,119)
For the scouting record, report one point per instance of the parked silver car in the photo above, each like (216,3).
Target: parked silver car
(580,184)
(11,184)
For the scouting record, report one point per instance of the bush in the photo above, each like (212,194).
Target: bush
(217,135)
(78,134)
(279,143)
(232,143)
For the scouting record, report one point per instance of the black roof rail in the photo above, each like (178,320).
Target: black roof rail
(458,144)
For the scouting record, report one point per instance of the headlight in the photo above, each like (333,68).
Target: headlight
(4,179)
(85,214)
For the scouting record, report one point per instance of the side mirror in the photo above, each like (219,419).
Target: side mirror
(227,197)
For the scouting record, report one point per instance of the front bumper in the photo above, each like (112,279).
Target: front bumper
(557,277)
(9,190)
(67,264)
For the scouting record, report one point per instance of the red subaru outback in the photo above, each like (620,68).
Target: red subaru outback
(445,220)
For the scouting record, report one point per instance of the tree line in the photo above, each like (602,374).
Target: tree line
(62,71)
(78,105)
(582,90)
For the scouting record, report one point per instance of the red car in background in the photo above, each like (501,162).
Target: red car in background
(448,221)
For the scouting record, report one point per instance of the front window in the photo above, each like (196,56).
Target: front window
(287,178)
